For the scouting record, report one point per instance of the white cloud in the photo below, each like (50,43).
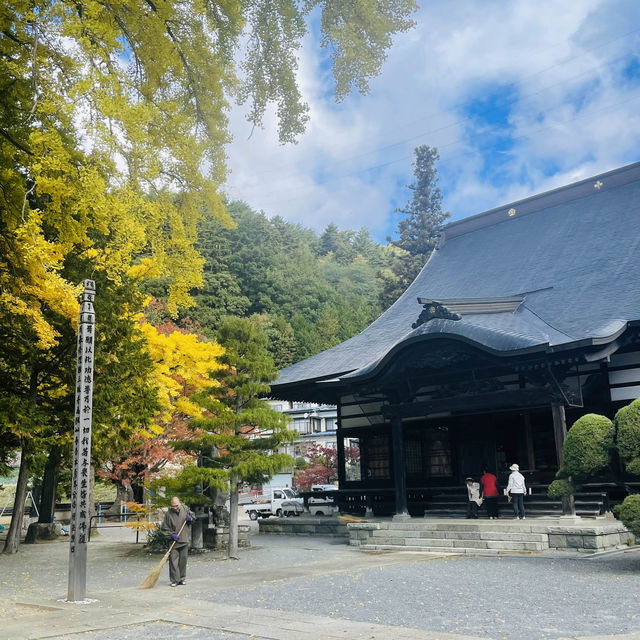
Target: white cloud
(570,112)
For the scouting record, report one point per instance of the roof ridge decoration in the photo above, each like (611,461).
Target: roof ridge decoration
(455,308)
(433,309)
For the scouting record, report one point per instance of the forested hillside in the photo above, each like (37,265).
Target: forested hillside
(307,291)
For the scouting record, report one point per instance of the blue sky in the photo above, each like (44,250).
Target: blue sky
(519,97)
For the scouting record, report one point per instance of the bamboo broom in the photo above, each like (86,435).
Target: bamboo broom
(345,519)
(150,581)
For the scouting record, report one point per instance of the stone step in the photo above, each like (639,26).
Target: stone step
(452,511)
(511,536)
(529,504)
(396,540)
(436,549)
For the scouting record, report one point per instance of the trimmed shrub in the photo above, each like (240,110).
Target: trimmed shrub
(157,542)
(633,467)
(560,489)
(629,513)
(586,447)
(627,423)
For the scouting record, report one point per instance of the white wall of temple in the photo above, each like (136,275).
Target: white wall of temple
(624,376)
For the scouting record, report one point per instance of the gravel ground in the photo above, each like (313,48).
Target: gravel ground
(115,562)
(524,598)
(513,597)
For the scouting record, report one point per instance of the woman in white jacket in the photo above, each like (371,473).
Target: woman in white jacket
(516,490)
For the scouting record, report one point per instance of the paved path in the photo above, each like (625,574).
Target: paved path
(311,589)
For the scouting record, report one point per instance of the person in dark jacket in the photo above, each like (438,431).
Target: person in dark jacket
(490,493)
(176,525)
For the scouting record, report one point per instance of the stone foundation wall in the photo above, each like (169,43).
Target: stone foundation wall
(311,526)
(588,538)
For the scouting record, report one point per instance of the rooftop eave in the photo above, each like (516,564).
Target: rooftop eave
(542,348)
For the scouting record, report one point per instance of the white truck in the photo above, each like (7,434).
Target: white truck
(275,502)
(323,505)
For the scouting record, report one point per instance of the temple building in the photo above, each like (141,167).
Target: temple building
(525,318)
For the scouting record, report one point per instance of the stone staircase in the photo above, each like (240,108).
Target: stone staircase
(474,538)
(453,503)
(488,537)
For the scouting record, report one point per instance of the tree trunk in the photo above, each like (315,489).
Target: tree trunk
(123,494)
(49,484)
(137,491)
(15,528)
(233,519)
(93,509)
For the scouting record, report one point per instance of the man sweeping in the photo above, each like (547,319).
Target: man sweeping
(173,526)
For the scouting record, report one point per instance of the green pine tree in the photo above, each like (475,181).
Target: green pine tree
(239,440)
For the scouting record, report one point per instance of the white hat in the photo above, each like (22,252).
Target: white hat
(514,467)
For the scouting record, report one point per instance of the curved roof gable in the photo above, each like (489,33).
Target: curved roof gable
(571,256)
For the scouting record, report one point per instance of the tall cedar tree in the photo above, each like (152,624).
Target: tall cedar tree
(239,441)
(419,231)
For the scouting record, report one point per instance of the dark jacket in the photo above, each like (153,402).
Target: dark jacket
(172,522)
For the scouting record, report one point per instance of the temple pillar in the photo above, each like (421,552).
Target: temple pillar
(340,451)
(560,433)
(399,475)
(531,458)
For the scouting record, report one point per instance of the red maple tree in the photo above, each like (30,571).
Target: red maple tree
(323,465)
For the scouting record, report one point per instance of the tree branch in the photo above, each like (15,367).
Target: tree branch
(15,143)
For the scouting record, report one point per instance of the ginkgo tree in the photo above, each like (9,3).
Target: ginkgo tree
(183,364)
(114,119)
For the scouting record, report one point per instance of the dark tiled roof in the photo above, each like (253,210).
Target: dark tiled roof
(574,253)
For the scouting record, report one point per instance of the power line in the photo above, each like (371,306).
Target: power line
(589,115)
(488,111)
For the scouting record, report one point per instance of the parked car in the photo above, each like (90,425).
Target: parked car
(275,502)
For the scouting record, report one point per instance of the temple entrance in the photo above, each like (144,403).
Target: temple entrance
(444,451)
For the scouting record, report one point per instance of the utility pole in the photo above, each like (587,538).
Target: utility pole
(81,480)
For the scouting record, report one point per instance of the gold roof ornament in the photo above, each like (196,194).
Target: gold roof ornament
(598,185)
(511,212)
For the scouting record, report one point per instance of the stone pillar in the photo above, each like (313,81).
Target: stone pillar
(81,478)
(399,475)
(197,538)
